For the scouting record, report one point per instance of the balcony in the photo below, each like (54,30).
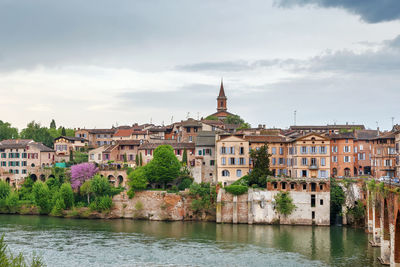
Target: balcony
(313,166)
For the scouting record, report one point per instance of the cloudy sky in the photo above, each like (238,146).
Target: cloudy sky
(98,63)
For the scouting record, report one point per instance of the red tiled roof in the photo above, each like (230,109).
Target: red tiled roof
(123,132)
(265,139)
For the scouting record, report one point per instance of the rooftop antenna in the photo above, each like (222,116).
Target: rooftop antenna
(172,119)
(188,115)
(392,122)
(162,123)
(151,120)
(198,115)
(294,115)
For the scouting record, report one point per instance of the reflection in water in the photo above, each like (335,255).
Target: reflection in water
(71,242)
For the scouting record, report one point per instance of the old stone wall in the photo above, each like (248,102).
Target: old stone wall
(157,206)
(258,207)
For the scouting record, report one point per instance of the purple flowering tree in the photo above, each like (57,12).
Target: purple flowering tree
(82,172)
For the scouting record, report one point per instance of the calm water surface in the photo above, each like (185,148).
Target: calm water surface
(72,242)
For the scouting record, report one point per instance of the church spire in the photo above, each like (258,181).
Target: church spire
(221,99)
(221,90)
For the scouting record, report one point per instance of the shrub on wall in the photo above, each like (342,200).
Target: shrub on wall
(284,203)
(236,189)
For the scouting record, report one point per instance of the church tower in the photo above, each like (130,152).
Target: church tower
(221,99)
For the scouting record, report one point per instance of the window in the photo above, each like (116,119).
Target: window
(303,150)
(281,161)
(223,161)
(304,186)
(313,150)
(346,159)
(313,215)
(323,149)
(232,161)
(312,201)
(225,173)
(321,202)
(238,173)
(273,161)
(292,186)
(212,162)
(273,151)
(347,149)
(23,171)
(241,150)
(283,185)
(232,150)
(190,138)
(242,161)
(334,149)
(334,158)
(313,162)
(304,161)
(323,174)
(281,151)
(3,155)
(200,152)
(323,162)
(223,150)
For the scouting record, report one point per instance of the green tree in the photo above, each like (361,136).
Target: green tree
(164,167)
(7,132)
(260,172)
(25,190)
(42,197)
(137,160)
(137,180)
(63,131)
(38,133)
(100,186)
(234,119)
(140,159)
(53,124)
(212,118)
(125,157)
(184,157)
(71,155)
(337,199)
(284,203)
(67,195)
(86,190)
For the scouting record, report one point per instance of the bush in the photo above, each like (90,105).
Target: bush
(5,189)
(12,202)
(204,197)
(284,203)
(67,195)
(236,189)
(103,203)
(58,207)
(42,197)
(25,191)
(137,181)
(186,182)
(100,186)
(242,181)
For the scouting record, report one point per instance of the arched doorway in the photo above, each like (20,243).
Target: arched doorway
(33,177)
(347,172)
(42,178)
(120,180)
(111,179)
(397,239)
(8,180)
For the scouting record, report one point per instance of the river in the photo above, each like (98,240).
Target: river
(73,242)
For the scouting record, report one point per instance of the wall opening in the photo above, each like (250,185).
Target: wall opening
(386,231)
(397,239)
(312,201)
(313,187)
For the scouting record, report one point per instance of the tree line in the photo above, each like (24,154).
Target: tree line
(34,130)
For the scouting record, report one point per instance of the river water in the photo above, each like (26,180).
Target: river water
(73,242)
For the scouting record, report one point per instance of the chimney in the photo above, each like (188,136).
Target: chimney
(378,131)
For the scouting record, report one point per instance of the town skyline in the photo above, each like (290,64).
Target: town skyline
(98,64)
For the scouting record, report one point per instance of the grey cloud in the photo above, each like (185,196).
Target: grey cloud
(384,59)
(371,11)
